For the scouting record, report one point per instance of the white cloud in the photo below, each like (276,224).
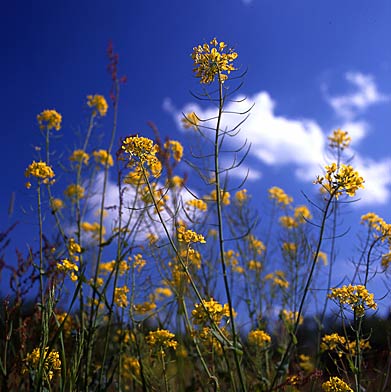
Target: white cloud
(350,105)
(377,180)
(299,142)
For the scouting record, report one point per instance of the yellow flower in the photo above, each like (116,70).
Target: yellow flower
(67,266)
(241,196)
(176,148)
(290,317)
(49,119)
(80,157)
(278,194)
(302,214)
(144,307)
(288,222)
(335,384)
(305,363)
(190,120)
(339,139)
(255,244)
(189,236)
(120,296)
(51,363)
(98,104)
(56,204)
(214,311)
(142,151)
(41,171)
(93,228)
(103,157)
(259,338)
(357,297)
(212,62)
(224,196)
(198,204)
(339,180)
(74,192)
(254,265)
(161,339)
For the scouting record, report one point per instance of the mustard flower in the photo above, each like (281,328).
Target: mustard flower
(357,297)
(305,363)
(103,157)
(49,119)
(241,196)
(376,223)
(279,196)
(288,222)
(259,338)
(80,157)
(198,204)
(214,311)
(255,244)
(189,236)
(56,204)
(302,214)
(120,296)
(190,120)
(67,266)
(339,139)
(161,339)
(278,279)
(211,62)
(98,104)
(74,192)
(144,307)
(51,363)
(93,228)
(224,196)
(340,179)
(335,384)
(130,366)
(142,151)
(176,149)
(254,265)
(289,317)
(41,171)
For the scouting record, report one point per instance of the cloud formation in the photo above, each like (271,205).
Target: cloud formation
(366,93)
(300,143)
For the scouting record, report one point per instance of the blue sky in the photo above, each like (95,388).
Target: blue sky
(312,66)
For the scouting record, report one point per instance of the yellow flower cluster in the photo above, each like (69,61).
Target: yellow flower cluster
(49,119)
(143,150)
(335,384)
(259,338)
(161,338)
(51,363)
(224,196)
(289,317)
(176,149)
(103,157)
(290,249)
(255,244)
(190,120)
(41,171)
(278,279)
(357,297)
(56,204)
(339,139)
(120,296)
(74,192)
(107,268)
(93,228)
(68,266)
(144,307)
(130,366)
(288,222)
(340,179)
(241,196)
(198,204)
(254,265)
(189,236)
(209,310)
(98,104)
(305,363)
(377,223)
(80,157)
(302,214)
(277,194)
(211,62)
(341,346)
